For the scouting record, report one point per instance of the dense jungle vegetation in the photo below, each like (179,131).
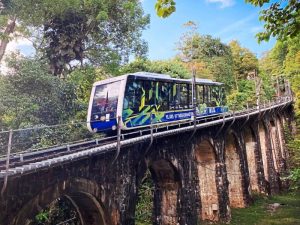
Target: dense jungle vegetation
(78,42)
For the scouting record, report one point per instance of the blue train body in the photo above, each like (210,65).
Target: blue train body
(143,98)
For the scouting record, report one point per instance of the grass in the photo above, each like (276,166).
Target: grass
(258,214)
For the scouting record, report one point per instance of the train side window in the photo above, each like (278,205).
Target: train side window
(199,94)
(215,100)
(174,96)
(222,96)
(133,96)
(184,96)
(149,88)
(207,95)
(163,96)
(190,98)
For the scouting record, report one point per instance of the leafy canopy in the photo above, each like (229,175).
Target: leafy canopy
(74,32)
(282,19)
(207,56)
(165,8)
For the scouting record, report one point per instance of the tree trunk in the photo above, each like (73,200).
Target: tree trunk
(8,30)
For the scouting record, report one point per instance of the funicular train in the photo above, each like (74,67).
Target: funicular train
(142,98)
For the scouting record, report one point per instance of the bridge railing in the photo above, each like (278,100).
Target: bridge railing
(62,137)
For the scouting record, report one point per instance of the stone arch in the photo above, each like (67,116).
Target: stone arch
(234,173)
(80,192)
(251,155)
(166,181)
(206,166)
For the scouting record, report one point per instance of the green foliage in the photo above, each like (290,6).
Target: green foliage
(244,61)
(267,90)
(258,213)
(165,8)
(98,32)
(238,100)
(29,95)
(61,211)
(295,178)
(208,56)
(42,217)
(173,67)
(143,212)
(282,19)
(294,159)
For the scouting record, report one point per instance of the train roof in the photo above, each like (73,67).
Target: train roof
(157,76)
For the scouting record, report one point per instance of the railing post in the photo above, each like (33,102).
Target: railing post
(118,139)
(151,133)
(7,161)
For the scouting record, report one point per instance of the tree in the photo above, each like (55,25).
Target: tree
(172,67)
(29,95)
(282,20)
(84,31)
(165,8)
(244,62)
(208,56)
(7,25)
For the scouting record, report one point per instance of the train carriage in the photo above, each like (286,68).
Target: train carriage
(139,99)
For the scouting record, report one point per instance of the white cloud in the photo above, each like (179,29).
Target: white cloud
(224,3)
(238,26)
(256,29)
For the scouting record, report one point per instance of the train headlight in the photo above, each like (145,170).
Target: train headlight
(102,118)
(114,127)
(96,117)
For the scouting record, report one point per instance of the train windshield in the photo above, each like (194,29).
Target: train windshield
(105,100)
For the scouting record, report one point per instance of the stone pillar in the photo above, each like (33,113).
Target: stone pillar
(221,179)
(259,159)
(236,175)
(206,166)
(251,152)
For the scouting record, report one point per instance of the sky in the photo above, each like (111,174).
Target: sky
(224,19)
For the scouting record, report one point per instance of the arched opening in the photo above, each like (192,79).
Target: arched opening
(73,204)
(281,136)
(144,205)
(234,174)
(263,148)
(275,146)
(251,151)
(206,166)
(60,211)
(166,180)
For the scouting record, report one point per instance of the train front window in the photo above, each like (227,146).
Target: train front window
(105,100)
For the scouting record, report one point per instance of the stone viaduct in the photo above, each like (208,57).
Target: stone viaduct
(196,177)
